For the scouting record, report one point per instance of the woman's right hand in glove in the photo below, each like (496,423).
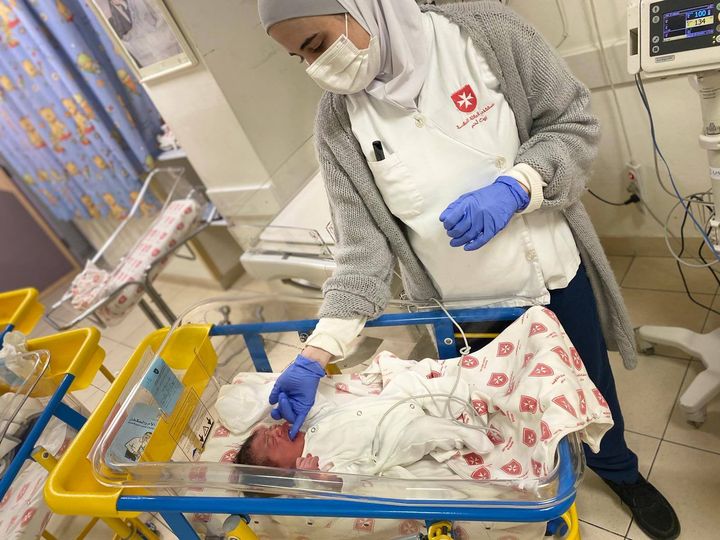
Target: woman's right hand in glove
(294,391)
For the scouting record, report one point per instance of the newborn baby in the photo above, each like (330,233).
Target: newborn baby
(270,446)
(517,398)
(375,435)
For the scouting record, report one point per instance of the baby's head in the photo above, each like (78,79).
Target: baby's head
(271,447)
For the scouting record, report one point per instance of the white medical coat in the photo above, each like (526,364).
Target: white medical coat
(462,136)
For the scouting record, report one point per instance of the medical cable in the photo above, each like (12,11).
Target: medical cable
(603,55)
(564,21)
(655,218)
(678,258)
(643,96)
(631,200)
(682,200)
(449,397)
(465,350)
(702,258)
(682,274)
(646,102)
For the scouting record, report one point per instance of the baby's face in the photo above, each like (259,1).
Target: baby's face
(274,445)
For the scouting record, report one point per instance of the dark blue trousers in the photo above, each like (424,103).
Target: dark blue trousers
(577,311)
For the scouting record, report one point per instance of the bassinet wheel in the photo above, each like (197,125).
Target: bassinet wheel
(151,525)
(643,346)
(696,418)
(557,528)
(237,528)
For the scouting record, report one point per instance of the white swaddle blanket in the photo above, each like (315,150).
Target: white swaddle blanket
(529,385)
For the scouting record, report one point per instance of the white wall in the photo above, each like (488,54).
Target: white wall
(194,106)
(245,114)
(271,96)
(675,106)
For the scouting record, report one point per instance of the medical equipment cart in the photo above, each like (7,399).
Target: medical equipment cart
(143,448)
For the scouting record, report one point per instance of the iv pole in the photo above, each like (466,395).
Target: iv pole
(705,347)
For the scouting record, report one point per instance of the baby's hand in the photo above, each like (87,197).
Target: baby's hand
(308,463)
(311,464)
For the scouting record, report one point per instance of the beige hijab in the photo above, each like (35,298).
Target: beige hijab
(398,24)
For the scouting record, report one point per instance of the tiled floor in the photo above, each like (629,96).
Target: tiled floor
(682,461)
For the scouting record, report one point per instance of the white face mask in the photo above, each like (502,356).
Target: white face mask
(345,69)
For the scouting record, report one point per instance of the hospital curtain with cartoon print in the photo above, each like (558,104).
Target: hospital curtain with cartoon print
(74,122)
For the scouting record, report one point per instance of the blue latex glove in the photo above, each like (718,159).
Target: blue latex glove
(294,392)
(477,217)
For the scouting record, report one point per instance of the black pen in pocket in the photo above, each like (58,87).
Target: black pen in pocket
(379,152)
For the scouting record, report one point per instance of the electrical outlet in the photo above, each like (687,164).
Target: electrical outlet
(634,180)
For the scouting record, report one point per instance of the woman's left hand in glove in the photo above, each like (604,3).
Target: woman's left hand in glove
(477,217)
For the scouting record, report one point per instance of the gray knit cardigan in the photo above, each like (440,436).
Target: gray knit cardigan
(559,137)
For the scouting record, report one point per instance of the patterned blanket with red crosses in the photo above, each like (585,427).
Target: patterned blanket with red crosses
(23,511)
(94,284)
(529,386)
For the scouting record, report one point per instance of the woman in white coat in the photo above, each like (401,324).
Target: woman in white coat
(455,143)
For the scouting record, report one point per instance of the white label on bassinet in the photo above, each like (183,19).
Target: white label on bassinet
(134,434)
(191,426)
(163,384)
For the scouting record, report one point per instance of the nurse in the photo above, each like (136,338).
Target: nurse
(454,142)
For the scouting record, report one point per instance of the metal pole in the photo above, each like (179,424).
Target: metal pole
(150,314)
(30,441)
(708,87)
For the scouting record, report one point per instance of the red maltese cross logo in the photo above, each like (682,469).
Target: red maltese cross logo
(529,437)
(562,401)
(469,362)
(583,403)
(495,437)
(577,361)
(545,432)
(480,406)
(465,99)
(481,473)
(498,380)
(473,459)
(528,404)
(542,370)
(513,468)
(505,349)
(537,328)
(599,397)
(563,355)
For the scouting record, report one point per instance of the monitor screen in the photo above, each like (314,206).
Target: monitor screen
(689,23)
